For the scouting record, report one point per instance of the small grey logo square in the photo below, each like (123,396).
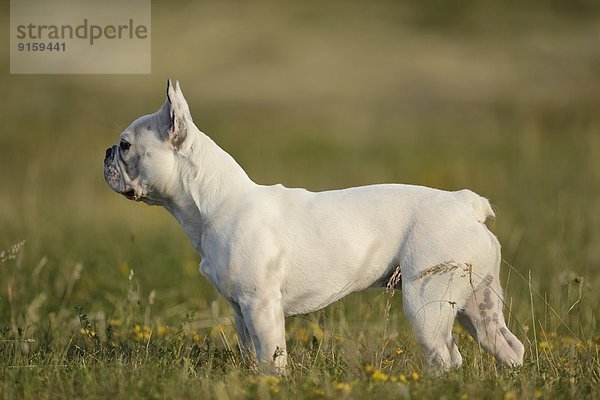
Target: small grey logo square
(80,37)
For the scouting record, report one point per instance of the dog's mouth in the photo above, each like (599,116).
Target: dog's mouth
(115,177)
(131,195)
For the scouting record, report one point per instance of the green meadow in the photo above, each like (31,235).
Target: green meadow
(101,297)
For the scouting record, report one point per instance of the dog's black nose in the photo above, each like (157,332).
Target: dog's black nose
(109,152)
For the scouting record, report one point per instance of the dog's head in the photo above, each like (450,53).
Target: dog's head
(145,164)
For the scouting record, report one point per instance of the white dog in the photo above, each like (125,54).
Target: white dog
(274,252)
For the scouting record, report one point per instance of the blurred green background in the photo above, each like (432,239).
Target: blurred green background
(503,99)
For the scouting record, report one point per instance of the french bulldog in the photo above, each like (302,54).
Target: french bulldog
(273,252)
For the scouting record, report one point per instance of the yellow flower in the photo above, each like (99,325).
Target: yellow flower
(545,345)
(303,335)
(415,376)
(399,350)
(319,392)
(162,330)
(342,386)
(510,395)
(271,380)
(379,376)
(537,393)
(403,378)
(142,333)
(87,332)
(368,368)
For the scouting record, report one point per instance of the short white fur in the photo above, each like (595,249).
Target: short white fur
(273,252)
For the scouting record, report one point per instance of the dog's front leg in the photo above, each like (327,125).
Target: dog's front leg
(244,339)
(265,321)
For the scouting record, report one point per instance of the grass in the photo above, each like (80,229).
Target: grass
(354,348)
(103,299)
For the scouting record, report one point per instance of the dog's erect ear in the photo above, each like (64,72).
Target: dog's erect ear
(174,117)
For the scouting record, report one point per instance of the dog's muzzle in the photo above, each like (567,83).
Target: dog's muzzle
(111,172)
(112,175)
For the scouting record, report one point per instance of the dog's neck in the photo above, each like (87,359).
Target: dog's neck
(209,179)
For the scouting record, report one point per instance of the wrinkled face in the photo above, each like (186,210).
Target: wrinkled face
(142,165)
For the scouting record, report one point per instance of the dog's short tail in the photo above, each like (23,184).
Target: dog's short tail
(482,209)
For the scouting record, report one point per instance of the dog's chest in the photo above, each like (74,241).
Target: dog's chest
(228,283)
(208,272)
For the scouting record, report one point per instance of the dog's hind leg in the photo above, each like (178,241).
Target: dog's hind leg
(432,315)
(482,317)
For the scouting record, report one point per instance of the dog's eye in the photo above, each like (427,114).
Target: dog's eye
(124,145)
